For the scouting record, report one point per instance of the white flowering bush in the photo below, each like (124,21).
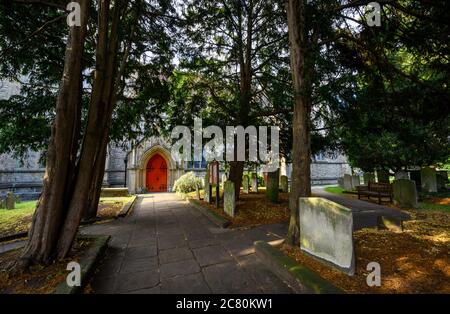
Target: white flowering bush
(186,183)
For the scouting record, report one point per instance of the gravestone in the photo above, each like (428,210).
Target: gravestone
(429,181)
(273,186)
(442,179)
(382,176)
(341,182)
(197,191)
(368,177)
(224,179)
(245,184)
(405,193)
(2,203)
(356,181)
(229,200)
(207,197)
(416,176)
(10,201)
(284,184)
(348,182)
(402,174)
(254,182)
(327,232)
(18,199)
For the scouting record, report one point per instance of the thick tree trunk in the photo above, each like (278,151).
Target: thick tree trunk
(50,213)
(96,188)
(99,121)
(301,155)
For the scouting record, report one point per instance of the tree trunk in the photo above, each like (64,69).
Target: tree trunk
(96,188)
(99,121)
(50,213)
(301,173)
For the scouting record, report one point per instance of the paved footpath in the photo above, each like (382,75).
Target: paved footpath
(167,246)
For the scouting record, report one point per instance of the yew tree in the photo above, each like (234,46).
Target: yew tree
(347,33)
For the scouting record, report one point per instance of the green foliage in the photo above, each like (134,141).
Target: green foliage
(187,183)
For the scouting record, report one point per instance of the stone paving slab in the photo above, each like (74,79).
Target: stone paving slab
(165,246)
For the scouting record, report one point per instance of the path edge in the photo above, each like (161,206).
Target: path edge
(299,277)
(88,262)
(212,216)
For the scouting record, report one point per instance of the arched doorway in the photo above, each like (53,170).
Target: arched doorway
(156,177)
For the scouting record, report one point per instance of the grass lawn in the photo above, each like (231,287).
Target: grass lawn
(19,219)
(16,220)
(334,189)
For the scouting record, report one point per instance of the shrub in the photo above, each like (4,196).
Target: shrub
(186,183)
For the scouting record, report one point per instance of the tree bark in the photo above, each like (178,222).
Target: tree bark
(301,151)
(96,188)
(50,213)
(99,121)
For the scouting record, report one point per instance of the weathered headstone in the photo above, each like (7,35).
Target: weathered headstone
(356,181)
(284,184)
(442,179)
(429,181)
(2,203)
(245,184)
(254,182)
(229,200)
(382,176)
(348,182)
(224,179)
(402,174)
(207,197)
(273,186)
(405,193)
(10,201)
(341,182)
(327,232)
(197,191)
(368,177)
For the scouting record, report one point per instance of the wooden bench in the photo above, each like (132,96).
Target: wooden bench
(375,189)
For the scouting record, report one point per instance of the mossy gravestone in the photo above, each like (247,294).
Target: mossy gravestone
(284,185)
(442,179)
(10,201)
(327,232)
(341,182)
(382,176)
(348,182)
(356,181)
(429,180)
(2,203)
(207,187)
(245,184)
(273,186)
(229,200)
(405,193)
(368,177)
(254,182)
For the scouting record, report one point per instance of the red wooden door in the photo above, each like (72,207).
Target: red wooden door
(157,174)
